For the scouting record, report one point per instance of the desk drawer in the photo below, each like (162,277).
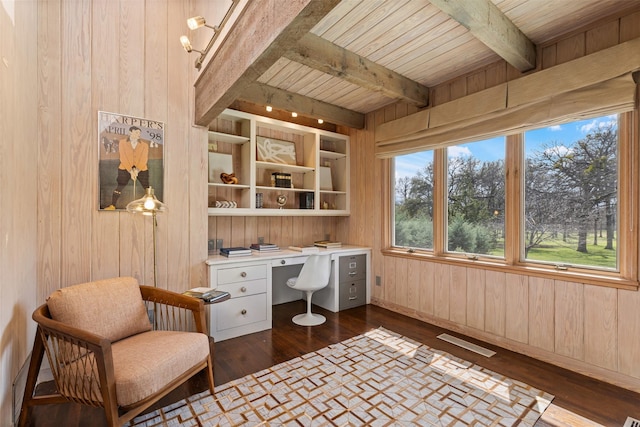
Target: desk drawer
(242,311)
(246,288)
(352,267)
(241,274)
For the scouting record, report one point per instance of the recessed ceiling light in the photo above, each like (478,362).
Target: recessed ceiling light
(269,109)
(294,114)
(320,121)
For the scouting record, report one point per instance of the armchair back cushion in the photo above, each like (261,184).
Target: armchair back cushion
(112,308)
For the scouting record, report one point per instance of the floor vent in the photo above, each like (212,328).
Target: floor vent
(472,347)
(631,422)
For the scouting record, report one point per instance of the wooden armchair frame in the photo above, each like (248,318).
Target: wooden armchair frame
(82,363)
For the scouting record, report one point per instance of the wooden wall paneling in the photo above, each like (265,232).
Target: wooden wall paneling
(549,54)
(133,240)
(458,294)
(224,230)
(628,345)
(297,231)
(251,228)
(427,287)
(275,229)
(440,94)
(569,326)
(104,77)
(156,80)
(198,207)
(50,143)
(495,300)
(496,74)
(570,48)
(237,232)
(458,88)
(602,37)
(477,82)
(401,288)
(600,326)
(79,168)
(629,27)
(541,313)
(441,291)
(389,280)
(177,153)
(286,232)
(414,285)
(476,298)
(517,307)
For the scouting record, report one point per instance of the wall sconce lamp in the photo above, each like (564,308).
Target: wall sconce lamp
(197,22)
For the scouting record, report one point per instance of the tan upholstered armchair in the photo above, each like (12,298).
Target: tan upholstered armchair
(105,352)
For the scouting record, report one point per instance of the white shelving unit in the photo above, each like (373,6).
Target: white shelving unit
(319,156)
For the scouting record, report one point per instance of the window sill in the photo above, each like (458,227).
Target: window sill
(611,280)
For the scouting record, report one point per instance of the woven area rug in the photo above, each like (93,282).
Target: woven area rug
(376,379)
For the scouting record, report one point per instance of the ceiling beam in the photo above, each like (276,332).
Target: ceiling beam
(263,31)
(320,54)
(259,93)
(489,25)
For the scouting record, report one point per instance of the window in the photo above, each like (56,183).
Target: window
(413,206)
(571,194)
(551,199)
(476,197)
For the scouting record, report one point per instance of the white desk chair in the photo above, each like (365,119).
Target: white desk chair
(314,276)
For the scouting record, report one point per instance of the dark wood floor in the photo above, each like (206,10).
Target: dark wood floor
(579,400)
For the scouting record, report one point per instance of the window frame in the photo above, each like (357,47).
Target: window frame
(627,221)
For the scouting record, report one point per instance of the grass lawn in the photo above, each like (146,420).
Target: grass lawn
(561,252)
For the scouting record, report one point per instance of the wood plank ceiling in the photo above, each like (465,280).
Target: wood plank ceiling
(338,60)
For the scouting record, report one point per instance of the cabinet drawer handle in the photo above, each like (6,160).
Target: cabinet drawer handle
(243,289)
(243,274)
(283,262)
(243,312)
(353,273)
(352,298)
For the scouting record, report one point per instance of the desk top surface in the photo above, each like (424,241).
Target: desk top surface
(283,253)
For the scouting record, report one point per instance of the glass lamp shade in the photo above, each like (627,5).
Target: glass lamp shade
(196,22)
(147,205)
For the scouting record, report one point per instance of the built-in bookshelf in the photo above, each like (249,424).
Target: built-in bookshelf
(311,166)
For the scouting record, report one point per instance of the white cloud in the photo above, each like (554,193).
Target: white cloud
(559,150)
(555,128)
(599,123)
(458,151)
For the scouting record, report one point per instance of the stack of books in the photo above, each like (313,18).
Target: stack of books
(328,244)
(209,295)
(236,251)
(265,247)
(281,180)
(202,293)
(307,249)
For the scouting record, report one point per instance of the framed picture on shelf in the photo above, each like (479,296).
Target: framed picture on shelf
(219,163)
(276,151)
(130,159)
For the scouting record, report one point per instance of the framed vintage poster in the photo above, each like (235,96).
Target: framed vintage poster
(131,158)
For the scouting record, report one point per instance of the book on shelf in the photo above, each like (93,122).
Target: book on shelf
(202,293)
(328,244)
(281,180)
(308,249)
(235,251)
(264,247)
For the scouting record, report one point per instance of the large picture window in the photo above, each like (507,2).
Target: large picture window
(476,197)
(571,194)
(549,198)
(413,204)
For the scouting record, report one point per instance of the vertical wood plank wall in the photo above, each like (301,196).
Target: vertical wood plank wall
(124,57)
(587,328)
(18,191)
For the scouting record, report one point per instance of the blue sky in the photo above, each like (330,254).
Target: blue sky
(493,149)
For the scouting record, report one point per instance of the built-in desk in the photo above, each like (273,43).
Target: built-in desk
(257,282)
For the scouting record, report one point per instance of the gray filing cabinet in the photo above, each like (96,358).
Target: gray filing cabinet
(352,281)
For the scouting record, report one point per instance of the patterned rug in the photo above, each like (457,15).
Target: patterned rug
(376,379)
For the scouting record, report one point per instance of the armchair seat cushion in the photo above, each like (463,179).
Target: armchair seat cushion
(145,363)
